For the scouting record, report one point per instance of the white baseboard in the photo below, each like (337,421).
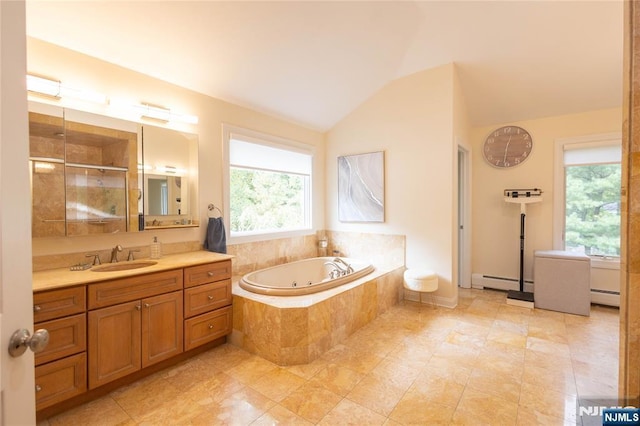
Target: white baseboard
(609,299)
(480,281)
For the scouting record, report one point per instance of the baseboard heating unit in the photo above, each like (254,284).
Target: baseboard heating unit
(480,281)
(598,296)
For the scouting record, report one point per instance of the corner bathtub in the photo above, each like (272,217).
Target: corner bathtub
(301,277)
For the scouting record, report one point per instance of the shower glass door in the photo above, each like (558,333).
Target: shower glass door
(96,200)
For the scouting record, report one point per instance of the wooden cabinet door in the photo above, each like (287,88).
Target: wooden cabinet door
(114,342)
(162,329)
(60,380)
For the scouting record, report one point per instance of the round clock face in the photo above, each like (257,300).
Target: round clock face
(507,146)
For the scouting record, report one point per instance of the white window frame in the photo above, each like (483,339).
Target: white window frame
(559,202)
(268,140)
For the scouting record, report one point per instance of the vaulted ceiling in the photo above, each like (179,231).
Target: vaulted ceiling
(313,62)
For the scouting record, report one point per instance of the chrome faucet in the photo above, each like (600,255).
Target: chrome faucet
(348,267)
(96,258)
(337,270)
(114,253)
(130,257)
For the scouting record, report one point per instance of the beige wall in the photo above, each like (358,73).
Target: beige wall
(82,71)
(496,224)
(411,119)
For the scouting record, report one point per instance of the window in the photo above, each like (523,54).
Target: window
(269,184)
(591,195)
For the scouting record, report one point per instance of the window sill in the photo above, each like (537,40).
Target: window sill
(600,263)
(254,237)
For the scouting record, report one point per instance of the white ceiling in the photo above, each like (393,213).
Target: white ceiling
(315,62)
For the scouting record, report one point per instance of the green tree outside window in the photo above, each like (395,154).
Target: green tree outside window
(265,200)
(592,211)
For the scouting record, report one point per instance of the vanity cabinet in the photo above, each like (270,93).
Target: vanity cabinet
(207,303)
(61,368)
(139,325)
(108,332)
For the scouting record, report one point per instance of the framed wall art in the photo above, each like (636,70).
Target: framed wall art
(361,187)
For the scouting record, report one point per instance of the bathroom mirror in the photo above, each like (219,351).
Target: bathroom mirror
(164,195)
(89,175)
(83,172)
(170,170)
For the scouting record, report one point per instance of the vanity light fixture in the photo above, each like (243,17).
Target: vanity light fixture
(144,167)
(55,89)
(43,86)
(185,118)
(171,170)
(83,95)
(150,111)
(155,112)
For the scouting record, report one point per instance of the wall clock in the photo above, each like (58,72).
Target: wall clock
(507,146)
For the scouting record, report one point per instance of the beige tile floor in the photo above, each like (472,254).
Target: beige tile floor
(484,362)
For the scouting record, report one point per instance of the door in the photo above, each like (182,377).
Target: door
(464,260)
(16,309)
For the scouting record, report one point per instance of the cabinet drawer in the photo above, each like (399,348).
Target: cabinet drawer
(208,273)
(58,303)
(67,336)
(60,380)
(207,327)
(138,287)
(207,297)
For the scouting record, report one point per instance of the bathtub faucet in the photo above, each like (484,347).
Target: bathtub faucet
(337,270)
(348,266)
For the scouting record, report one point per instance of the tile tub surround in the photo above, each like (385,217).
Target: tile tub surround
(388,250)
(299,329)
(383,250)
(258,255)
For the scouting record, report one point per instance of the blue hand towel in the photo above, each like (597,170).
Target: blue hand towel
(216,239)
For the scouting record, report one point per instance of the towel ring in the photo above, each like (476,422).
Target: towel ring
(212,210)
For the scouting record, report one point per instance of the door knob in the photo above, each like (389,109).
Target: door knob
(22,339)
